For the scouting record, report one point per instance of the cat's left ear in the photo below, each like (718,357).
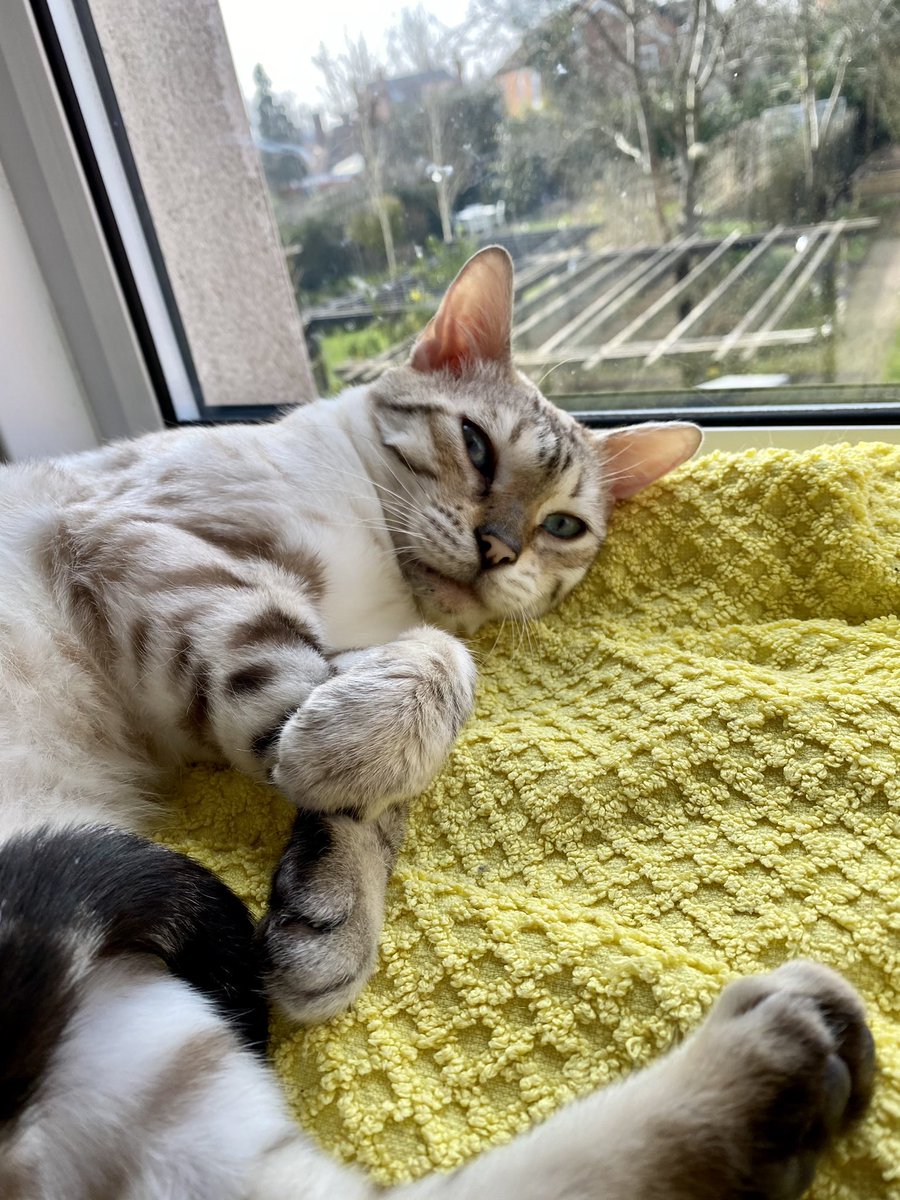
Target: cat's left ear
(474,321)
(637,455)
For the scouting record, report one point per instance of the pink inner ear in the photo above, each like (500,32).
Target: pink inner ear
(475,317)
(637,456)
(443,344)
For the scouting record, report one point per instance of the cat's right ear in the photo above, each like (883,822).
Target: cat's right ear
(474,321)
(638,455)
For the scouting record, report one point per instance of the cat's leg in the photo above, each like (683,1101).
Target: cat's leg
(363,733)
(366,740)
(319,938)
(231,658)
(744,1108)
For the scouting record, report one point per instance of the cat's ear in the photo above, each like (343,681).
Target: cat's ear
(474,321)
(638,455)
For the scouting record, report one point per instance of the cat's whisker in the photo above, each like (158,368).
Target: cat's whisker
(380,447)
(382,488)
(499,634)
(527,634)
(546,375)
(400,501)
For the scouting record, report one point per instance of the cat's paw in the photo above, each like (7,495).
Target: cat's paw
(784,1063)
(379,731)
(319,940)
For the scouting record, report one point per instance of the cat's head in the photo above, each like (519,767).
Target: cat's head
(497,500)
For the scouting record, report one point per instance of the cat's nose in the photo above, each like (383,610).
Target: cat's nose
(496,546)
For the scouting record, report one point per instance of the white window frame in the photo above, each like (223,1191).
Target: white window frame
(54,201)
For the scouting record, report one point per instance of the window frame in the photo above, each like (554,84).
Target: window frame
(51,192)
(98,132)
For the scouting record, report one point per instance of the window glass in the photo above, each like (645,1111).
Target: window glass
(702,199)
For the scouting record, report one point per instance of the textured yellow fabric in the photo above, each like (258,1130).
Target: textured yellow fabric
(690,771)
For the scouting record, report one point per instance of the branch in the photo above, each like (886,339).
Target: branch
(833,98)
(723,27)
(622,143)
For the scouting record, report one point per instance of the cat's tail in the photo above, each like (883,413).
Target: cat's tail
(70,896)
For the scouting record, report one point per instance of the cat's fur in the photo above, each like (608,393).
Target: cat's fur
(283,598)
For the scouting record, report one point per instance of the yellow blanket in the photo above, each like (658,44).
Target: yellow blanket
(688,772)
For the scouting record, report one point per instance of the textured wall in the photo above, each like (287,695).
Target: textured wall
(176,86)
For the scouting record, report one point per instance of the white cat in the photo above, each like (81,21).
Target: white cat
(284,597)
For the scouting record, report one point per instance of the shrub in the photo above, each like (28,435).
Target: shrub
(324,256)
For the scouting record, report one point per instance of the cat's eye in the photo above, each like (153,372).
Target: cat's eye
(479,448)
(562,525)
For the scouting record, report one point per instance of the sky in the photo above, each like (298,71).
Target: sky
(284,34)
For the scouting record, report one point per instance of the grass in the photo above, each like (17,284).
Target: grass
(345,345)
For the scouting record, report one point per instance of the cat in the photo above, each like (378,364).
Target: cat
(287,598)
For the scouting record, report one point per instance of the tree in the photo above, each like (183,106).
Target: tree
(420,42)
(667,62)
(282,159)
(639,72)
(461,126)
(273,120)
(452,135)
(351,85)
(817,53)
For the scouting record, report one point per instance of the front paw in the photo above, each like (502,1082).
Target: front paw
(784,1064)
(319,940)
(380,731)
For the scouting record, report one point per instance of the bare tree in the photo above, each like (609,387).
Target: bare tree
(819,47)
(420,42)
(666,69)
(352,86)
(444,175)
(624,38)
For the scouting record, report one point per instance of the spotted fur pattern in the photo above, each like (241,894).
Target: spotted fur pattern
(284,598)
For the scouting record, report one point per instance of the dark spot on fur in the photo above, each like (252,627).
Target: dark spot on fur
(310,841)
(205,575)
(252,678)
(119,457)
(92,614)
(273,626)
(241,543)
(351,813)
(517,430)
(140,642)
(78,580)
(261,746)
(414,410)
(198,708)
(259,545)
(181,658)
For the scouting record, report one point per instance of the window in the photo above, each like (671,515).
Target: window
(702,199)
